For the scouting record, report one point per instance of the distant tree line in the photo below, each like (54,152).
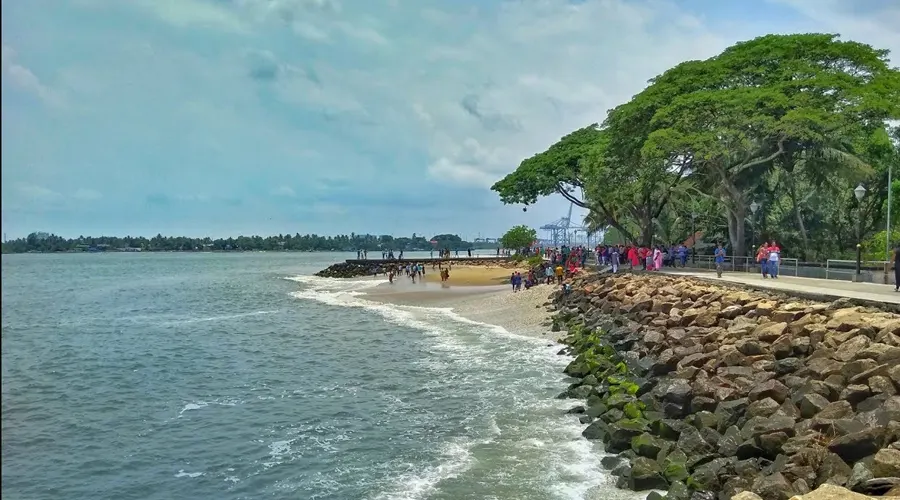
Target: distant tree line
(39,242)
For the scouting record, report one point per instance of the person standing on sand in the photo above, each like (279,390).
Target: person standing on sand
(614,258)
(720,260)
(548,273)
(559,273)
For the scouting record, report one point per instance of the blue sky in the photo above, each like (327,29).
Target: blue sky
(226,117)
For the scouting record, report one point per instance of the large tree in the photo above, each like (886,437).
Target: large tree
(518,237)
(777,98)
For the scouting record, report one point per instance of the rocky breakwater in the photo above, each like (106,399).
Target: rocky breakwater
(708,391)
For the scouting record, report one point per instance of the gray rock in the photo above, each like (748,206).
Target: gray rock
(597,430)
(856,446)
(675,391)
(788,365)
(886,463)
(855,394)
(811,404)
(762,408)
(859,475)
(773,487)
(646,475)
(766,425)
(621,433)
(678,491)
(771,389)
(833,470)
(692,443)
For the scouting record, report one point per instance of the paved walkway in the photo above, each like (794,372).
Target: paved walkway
(830,288)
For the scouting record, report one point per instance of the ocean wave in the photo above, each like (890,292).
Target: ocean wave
(456,457)
(474,357)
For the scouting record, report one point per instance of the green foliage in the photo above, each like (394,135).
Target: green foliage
(518,237)
(875,246)
(534,261)
(43,242)
(791,122)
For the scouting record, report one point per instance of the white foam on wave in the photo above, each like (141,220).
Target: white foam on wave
(223,317)
(182,473)
(199,405)
(456,457)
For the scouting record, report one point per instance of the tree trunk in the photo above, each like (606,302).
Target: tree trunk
(737,217)
(799,217)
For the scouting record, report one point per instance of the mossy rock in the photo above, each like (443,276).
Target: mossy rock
(647,445)
(633,409)
(620,400)
(675,471)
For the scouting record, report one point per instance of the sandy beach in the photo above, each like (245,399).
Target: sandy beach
(477,293)
(474,275)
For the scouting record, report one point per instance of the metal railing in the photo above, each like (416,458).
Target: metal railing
(787,266)
(872,271)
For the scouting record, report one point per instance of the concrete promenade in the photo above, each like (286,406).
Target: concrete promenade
(829,289)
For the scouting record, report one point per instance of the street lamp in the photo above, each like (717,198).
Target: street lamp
(860,192)
(753,208)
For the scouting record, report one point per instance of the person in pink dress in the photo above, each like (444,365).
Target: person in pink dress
(657,258)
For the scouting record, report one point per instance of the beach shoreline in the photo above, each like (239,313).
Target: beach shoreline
(477,293)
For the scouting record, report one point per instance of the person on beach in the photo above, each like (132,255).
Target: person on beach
(658,259)
(774,259)
(762,257)
(720,260)
(559,273)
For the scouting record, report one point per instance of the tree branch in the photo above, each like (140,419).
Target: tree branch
(561,189)
(760,161)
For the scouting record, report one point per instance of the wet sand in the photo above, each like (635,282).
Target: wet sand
(476,293)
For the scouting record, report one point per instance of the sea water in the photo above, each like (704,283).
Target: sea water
(226,376)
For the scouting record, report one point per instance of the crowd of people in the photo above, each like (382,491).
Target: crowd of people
(652,258)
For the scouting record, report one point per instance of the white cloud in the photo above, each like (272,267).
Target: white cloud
(39,194)
(23,78)
(284,191)
(87,195)
(195,13)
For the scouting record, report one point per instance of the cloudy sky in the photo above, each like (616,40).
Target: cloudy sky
(220,117)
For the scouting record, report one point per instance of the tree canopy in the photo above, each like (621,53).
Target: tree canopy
(788,123)
(518,237)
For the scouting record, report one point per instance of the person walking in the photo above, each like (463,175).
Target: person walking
(762,257)
(720,260)
(774,259)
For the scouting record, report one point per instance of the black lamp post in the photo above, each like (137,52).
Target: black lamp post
(753,208)
(860,192)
